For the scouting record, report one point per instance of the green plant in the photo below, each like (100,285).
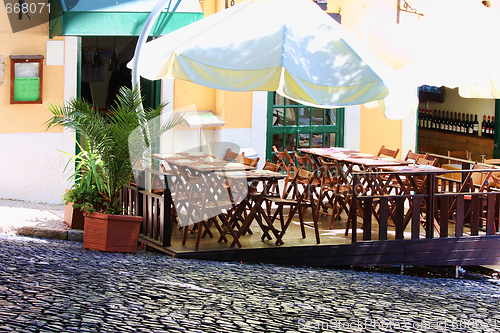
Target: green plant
(106,165)
(87,177)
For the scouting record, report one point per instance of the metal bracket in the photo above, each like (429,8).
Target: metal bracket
(405,7)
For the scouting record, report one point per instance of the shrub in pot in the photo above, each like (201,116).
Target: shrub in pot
(107,140)
(87,186)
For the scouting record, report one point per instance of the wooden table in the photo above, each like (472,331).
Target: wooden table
(200,164)
(268,178)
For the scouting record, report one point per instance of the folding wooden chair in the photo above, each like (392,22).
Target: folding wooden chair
(334,191)
(388,152)
(286,165)
(492,161)
(249,161)
(430,149)
(304,161)
(463,154)
(297,197)
(201,206)
(231,156)
(418,184)
(411,156)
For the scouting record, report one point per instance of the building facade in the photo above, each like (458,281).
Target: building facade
(32,165)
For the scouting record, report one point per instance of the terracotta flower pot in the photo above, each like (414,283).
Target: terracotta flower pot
(73,217)
(111,233)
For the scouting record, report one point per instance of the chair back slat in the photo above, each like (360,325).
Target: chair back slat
(412,156)
(388,152)
(232,156)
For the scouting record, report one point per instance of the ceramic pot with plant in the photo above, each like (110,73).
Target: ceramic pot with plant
(107,139)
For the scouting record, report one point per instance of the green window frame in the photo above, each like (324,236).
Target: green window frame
(291,125)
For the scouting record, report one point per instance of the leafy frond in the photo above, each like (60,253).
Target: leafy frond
(105,163)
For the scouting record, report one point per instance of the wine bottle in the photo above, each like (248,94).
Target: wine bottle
(475,129)
(492,129)
(488,128)
(420,120)
(434,119)
(483,126)
(441,120)
(457,123)
(464,124)
(470,124)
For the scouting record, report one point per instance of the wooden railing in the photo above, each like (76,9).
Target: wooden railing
(446,202)
(151,205)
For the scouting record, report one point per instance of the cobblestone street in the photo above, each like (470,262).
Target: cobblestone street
(56,286)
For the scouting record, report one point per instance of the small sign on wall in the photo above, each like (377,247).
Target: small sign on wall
(55,53)
(26,79)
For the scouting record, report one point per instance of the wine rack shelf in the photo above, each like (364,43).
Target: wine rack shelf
(478,145)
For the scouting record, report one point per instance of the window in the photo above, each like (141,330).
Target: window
(292,126)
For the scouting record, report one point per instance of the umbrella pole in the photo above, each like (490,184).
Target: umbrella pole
(136,78)
(153,16)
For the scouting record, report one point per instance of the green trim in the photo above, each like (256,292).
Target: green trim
(78,89)
(294,130)
(114,23)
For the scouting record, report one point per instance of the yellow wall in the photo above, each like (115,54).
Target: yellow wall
(375,129)
(27,118)
(234,107)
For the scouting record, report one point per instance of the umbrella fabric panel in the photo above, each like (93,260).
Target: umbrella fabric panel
(226,79)
(289,46)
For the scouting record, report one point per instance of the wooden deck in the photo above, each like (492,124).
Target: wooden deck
(470,241)
(336,249)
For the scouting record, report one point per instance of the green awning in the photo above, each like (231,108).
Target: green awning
(118,18)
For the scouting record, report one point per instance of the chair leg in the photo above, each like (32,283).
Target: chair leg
(198,237)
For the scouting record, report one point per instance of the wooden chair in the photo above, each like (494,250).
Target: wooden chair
(199,206)
(304,161)
(231,156)
(388,152)
(411,156)
(249,161)
(421,187)
(275,189)
(426,161)
(492,161)
(334,191)
(462,154)
(286,165)
(297,197)
(430,149)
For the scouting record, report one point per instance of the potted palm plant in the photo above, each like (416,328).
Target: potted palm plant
(107,139)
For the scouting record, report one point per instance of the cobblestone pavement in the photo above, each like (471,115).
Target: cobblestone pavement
(56,286)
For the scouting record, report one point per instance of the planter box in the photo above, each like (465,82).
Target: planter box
(111,233)
(73,217)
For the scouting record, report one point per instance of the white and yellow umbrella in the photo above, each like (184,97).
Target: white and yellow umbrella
(288,46)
